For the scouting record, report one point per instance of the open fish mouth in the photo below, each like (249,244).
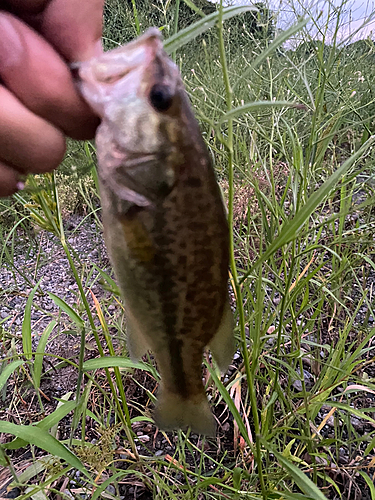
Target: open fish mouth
(121,67)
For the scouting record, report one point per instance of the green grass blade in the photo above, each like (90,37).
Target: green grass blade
(43,486)
(55,423)
(67,309)
(100,489)
(303,482)
(290,229)
(8,370)
(4,460)
(194,8)
(38,362)
(278,42)
(36,468)
(113,288)
(47,423)
(352,411)
(232,407)
(256,106)
(26,324)
(185,35)
(135,14)
(81,405)
(370,446)
(35,493)
(44,440)
(369,482)
(94,417)
(54,418)
(285,495)
(112,361)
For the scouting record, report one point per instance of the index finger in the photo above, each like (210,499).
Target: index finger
(73,27)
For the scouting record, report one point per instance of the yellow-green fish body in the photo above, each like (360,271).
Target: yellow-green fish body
(164,222)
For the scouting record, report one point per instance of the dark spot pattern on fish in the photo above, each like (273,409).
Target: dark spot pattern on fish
(182,260)
(164,239)
(194,182)
(175,348)
(133,211)
(138,240)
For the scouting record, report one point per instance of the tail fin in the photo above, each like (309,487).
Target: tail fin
(174,412)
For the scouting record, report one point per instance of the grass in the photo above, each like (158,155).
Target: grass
(296,412)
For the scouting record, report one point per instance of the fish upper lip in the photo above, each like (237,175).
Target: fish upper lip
(121,60)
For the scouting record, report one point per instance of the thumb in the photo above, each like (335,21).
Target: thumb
(73,27)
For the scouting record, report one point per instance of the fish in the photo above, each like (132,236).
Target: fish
(164,223)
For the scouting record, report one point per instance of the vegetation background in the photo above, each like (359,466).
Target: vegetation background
(288,117)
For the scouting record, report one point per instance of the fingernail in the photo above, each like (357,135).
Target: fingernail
(11,46)
(20,186)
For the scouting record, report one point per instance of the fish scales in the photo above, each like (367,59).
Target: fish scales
(164,222)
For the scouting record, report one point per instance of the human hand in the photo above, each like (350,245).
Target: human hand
(39,103)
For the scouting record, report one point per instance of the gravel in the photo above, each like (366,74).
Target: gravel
(49,264)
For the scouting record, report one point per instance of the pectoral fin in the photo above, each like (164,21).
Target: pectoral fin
(140,179)
(222,345)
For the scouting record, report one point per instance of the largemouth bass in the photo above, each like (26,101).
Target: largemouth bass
(164,223)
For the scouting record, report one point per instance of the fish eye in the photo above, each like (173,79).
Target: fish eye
(161,97)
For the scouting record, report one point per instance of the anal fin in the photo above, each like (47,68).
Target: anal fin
(136,343)
(222,344)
